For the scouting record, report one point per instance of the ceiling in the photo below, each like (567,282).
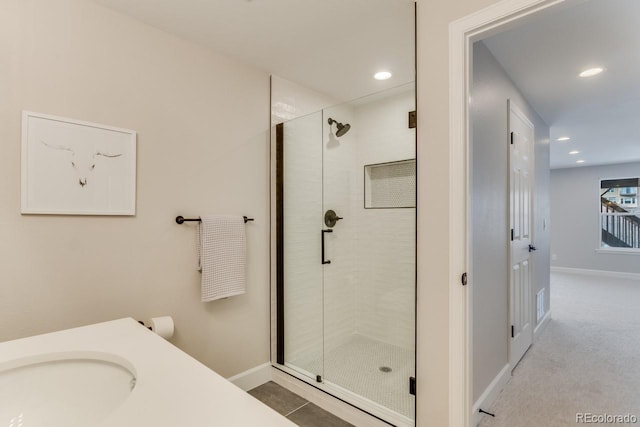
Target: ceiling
(331,46)
(335,46)
(600,114)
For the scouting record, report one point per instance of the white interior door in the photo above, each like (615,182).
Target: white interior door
(521,166)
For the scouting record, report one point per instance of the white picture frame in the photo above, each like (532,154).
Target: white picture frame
(71,167)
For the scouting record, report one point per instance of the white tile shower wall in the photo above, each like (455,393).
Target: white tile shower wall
(385,237)
(289,100)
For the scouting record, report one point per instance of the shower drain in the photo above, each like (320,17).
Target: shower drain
(385,369)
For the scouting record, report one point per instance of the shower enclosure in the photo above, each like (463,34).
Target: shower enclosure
(344,204)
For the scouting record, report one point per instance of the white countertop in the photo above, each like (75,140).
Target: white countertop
(172,388)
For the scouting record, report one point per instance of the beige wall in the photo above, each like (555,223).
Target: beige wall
(202,123)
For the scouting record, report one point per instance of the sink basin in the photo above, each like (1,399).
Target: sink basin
(63,389)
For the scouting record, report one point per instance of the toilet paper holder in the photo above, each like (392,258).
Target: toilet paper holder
(142,323)
(161,326)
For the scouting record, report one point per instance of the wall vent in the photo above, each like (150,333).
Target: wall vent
(539,306)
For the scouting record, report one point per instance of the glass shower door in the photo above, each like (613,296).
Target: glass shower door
(302,287)
(340,275)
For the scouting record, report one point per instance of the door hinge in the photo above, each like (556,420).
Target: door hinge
(512,332)
(512,234)
(464,279)
(413,119)
(511,139)
(412,385)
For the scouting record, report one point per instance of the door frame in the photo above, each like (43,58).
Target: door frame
(462,34)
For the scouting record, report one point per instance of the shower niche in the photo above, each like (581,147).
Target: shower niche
(390,185)
(344,251)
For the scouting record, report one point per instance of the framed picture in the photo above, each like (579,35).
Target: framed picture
(71,167)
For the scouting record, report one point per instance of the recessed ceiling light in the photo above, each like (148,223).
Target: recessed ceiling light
(563,138)
(382,75)
(574,152)
(579,161)
(591,72)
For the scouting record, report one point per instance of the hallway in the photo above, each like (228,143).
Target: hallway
(586,361)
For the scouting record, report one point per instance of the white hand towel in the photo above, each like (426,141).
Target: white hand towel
(222,254)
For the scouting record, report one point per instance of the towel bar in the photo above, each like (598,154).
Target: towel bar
(180,219)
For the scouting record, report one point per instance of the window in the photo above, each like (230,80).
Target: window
(629,191)
(619,214)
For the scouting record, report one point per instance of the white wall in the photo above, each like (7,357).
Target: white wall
(575,215)
(490,205)
(202,123)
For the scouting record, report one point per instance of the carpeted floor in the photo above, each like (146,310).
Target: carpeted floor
(586,361)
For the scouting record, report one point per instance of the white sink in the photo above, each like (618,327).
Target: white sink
(70,389)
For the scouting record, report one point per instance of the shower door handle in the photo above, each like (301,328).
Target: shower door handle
(323,260)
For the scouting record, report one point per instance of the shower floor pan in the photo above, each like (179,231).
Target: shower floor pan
(372,369)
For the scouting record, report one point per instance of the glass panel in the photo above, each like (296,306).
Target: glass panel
(302,222)
(619,214)
(369,287)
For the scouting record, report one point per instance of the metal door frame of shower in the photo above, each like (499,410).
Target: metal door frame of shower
(279,190)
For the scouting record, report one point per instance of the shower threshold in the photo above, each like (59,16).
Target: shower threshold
(368,374)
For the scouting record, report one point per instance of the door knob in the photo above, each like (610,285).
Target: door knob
(532,248)
(330,218)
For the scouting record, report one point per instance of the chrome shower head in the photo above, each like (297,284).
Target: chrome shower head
(342,129)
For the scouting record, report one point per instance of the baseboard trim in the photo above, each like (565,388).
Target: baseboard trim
(600,273)
(542,325)
(253,377)
(490,394)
